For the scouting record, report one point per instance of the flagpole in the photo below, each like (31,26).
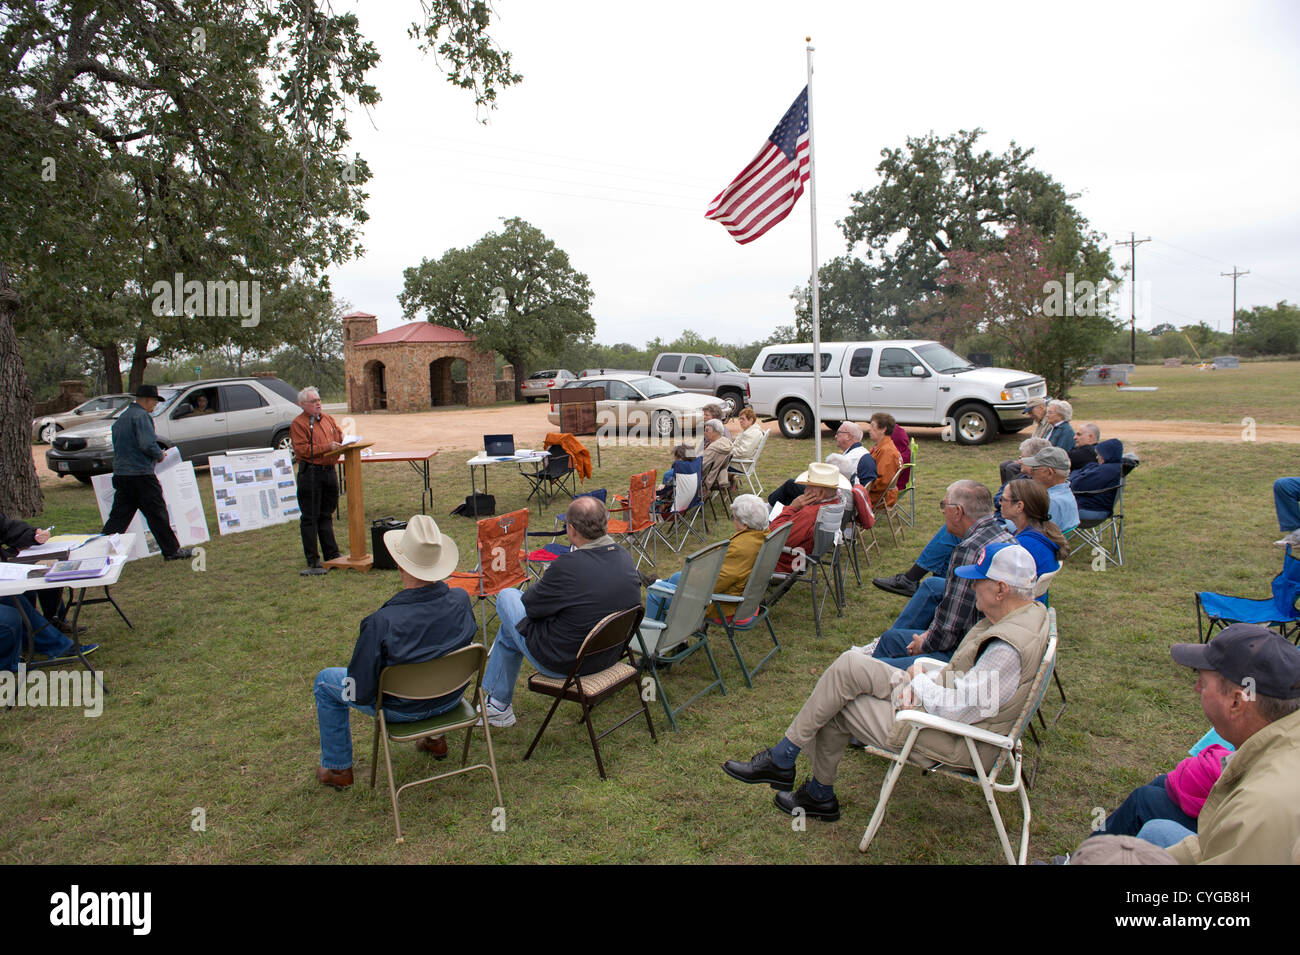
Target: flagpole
(816,301)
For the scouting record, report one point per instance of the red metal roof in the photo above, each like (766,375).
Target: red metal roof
(416,332)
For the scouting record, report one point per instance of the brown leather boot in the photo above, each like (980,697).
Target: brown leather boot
(435,746)
(338,778)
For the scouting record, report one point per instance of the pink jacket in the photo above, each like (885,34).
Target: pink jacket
(1190,781)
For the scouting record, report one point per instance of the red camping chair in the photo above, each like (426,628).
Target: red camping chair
(637,531)
(501,560)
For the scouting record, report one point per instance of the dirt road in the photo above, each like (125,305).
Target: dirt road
(463,430)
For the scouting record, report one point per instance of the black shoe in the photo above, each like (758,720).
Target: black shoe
(827,811)
(899,584)
(66,627)
(646,579)
(185,553)
(761,769)
(315,571)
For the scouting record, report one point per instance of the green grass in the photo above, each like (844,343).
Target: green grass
(211,703)
(1265,391)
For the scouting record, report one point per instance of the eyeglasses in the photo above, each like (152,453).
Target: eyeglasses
(944,505)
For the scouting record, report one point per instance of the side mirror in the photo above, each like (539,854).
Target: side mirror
(183,410)
(919,372)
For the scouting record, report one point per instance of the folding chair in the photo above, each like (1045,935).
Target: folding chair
(426,681)
(1093,533)
(502,561)
(559,476)
(821,563)
(1040,590)
(677,525)
(858,519)
(613,632)
(748,467)
(744,613)
(1009,756)
(637,532)
(1280,611)
(668,642)
(910,490)
(539,557)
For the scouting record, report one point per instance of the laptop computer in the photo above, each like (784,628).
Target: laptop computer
(499,445)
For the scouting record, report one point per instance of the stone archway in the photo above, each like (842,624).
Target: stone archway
(376,386)
(440,383)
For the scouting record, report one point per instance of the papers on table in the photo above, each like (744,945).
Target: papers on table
(171,458)
(19,571)
(49,549)
(85,568)
(351,439)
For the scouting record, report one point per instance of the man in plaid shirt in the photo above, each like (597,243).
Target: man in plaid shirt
(968,514)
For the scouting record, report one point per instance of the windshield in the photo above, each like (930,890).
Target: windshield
(168,396)
(943,360)
(654,387)
(722,364)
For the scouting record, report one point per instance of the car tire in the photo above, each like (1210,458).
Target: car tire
(974,424)
(732,401)
(83,478)
(795,420)
(663,424)
(48,431)
(283,441)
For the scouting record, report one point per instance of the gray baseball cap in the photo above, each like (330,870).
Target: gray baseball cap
(1049,458)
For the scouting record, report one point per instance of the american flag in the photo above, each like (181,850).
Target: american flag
(767,189)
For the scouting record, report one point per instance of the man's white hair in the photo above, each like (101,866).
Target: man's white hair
(308,391)
(1062,407)
(853,429)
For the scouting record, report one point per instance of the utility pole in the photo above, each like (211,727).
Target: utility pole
(1234,275)
(1132,243)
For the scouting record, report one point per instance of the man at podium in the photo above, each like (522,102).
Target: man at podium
(317,439)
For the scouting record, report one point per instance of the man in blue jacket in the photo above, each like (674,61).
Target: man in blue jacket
(1094,486)
(135,486)
(426,620)
(548,623)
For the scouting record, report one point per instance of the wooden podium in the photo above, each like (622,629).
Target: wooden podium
(359,557)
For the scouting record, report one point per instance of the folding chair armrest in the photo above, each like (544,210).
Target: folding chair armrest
(664,590)
(930,664)
(726,599)
(930,721)
(653,624)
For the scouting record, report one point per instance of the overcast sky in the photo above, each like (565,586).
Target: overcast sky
(1177,121)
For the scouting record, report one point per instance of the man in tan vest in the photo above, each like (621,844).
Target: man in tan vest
(985,683)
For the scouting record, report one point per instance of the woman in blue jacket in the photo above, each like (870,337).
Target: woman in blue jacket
(1025,504)
(1094,485)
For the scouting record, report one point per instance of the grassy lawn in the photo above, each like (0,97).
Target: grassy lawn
(211,705)
(1265,391)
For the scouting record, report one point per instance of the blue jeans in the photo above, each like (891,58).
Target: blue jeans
(332,715)
(1286,498)
(936,554)
(1142,806)
(892,649)
(1164,833)
(48,639)
(656,604)
(509,650)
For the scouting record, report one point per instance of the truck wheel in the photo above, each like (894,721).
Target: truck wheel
(664,424)
(974,424)
(732,402)
(48,431)
(795,420)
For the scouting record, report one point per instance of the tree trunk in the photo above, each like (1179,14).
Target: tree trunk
(139,359)
(20,489)
(519,379)
(112,363)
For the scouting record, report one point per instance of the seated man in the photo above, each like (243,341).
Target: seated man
(1094,486)
(547,623)
(996,661)
(852,460)
(1248,678)
(822,484)
(1050,467)
(749,514)
(16,535)
(47,639)
(424,621)
(1286,500)
(943,608)
(1085,446)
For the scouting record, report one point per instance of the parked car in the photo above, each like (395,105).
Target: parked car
(47,426)
(539,383)
(704,375)
(639,402)
(200,418)
(918,382)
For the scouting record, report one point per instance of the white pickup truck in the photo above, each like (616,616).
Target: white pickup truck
(918,382)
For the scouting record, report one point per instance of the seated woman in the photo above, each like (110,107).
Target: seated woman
(745,444)
(1025,505)
(749,514)
(716,457)
(711,412)
(822,483)
(664,492)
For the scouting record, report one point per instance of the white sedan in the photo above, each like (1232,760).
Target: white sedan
(640,405)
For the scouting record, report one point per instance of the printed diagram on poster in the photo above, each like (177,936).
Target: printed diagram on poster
(253,489)
(180,489)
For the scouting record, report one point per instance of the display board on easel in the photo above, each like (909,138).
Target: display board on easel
(180,490)
(253,489)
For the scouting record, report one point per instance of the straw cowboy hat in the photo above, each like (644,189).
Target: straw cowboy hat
(422,550)
(820,474)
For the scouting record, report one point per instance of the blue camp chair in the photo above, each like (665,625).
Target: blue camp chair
(1280,611)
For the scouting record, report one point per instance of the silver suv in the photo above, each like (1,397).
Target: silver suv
(702,374)
(201,418)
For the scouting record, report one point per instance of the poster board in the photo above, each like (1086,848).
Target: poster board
(180,490)
(253,489)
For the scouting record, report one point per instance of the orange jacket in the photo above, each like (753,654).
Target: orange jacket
(578,454)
